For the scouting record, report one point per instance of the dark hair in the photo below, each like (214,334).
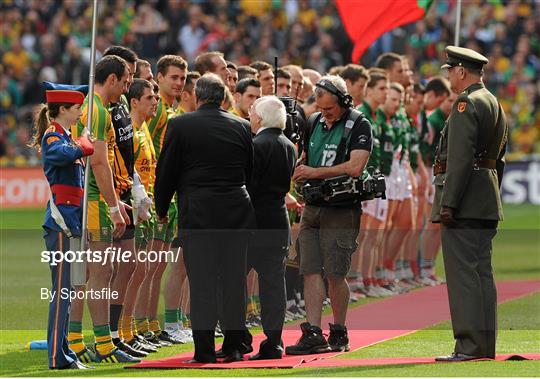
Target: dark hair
(353,72)
(310,100)
(191,78)
(375,76)
(387,60)
(243,84)
(140,64)
(41,121)
(204,63)
(336,70)
(210,89)
(246,72)
(170,60)
(397,87)
(281,73)
(260,66)
(438,85)
(136,90)
(123,52)
(232,65)
(419,89)
(111,64)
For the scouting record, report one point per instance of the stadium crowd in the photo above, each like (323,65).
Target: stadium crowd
(49,40)
(153,60)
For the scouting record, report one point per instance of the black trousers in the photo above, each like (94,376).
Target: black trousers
(209,256)
(269,262)
(467,250)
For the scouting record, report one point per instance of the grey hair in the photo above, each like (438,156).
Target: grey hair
(337,81)
(271,111)
(210,89)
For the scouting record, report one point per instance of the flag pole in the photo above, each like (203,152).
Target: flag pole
(80,277)
(458,23)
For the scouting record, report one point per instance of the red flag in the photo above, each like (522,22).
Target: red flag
(367,20)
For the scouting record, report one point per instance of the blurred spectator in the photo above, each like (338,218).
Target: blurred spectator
(192,33)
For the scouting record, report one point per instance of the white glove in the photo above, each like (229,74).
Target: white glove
(144,209)
(141,202)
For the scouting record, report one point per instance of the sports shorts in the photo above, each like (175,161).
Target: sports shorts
(167,232)
(144,232)
(376,208)
(393,182)
(431,179)
(100,226)
(406,184)
(130,229)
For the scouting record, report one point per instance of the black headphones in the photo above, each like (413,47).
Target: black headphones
(344,100)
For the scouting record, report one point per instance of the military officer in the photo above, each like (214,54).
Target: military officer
(468,171)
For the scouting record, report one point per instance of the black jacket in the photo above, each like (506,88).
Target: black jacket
(207,158)
(275,160)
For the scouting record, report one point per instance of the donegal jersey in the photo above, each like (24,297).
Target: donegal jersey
(158,124)
(123,152)
(371,115)
(145,156)
(101,130)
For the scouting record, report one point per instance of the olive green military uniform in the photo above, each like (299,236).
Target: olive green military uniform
(468,168)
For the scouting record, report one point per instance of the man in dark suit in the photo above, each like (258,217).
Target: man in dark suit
(275,159)
(468,171)
(207,159)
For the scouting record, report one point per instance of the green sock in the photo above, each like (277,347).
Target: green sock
(171,319)
(75,336)
(171,316)
(75,326)
(180,315)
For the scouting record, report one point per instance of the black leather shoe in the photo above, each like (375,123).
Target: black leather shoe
(196,361)
(456,357)
(245,349)
(278,354)
(75,365)
(235,356)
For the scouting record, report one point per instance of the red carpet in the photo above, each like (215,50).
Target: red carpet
(405,361)
(369,324)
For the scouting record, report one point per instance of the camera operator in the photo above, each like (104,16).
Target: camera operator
(275,160)
(338,142)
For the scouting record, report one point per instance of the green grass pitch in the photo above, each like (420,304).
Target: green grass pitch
(23,316)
